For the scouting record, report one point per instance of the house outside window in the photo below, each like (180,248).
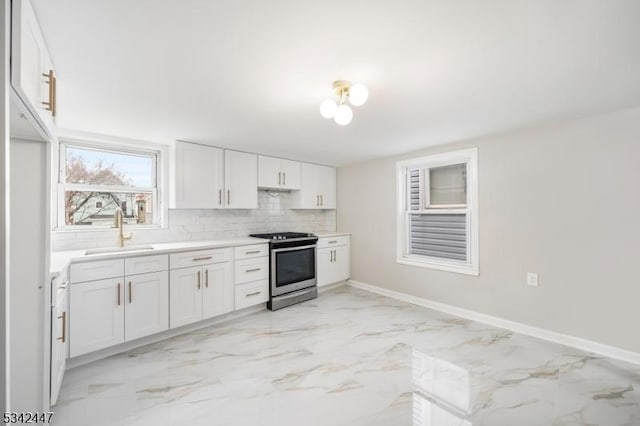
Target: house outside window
(438,211)
(95,181)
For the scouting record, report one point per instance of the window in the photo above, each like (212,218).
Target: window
(96,181)
(438,211)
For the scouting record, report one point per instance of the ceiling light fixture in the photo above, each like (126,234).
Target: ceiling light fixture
(342,113)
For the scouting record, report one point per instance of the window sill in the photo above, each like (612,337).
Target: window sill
(440,266)
(68,229)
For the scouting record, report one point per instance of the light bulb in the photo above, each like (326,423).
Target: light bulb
(344,115)
(328,108)
(358,94)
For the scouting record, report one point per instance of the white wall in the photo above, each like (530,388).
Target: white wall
(562,200)
(272,214)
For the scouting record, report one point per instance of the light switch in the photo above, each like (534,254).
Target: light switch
(532,279)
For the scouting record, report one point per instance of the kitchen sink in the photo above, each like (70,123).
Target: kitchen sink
(107,250)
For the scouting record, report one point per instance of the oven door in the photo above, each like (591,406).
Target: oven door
(292,268)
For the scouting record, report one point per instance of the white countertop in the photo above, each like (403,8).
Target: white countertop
(332,234)
(61,259)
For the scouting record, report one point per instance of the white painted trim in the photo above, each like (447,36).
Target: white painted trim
(468,156)
(541,333)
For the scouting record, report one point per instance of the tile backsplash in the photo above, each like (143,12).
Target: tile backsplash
(273,214)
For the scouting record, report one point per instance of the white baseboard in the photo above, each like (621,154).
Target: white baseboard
(541,333)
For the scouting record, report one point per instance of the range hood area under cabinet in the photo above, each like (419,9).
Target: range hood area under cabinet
(207,177)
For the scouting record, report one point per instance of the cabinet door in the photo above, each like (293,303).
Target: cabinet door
(290,174)
(269,173)
(241,180)
(199,175)
(27,56)
(98,315)
(217,296)
(308,197)
(59,341)
(341,263)
(326,181)
(147,305)
(186,296)
(325,266)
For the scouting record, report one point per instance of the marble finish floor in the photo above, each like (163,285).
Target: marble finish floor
(351,358)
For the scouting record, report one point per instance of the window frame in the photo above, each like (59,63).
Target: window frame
(125,149)
(470,158)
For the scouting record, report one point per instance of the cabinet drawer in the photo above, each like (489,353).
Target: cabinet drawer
(252,294)
(333,241)
(247,252)
(145,264)
(199,257)
(247,270)
(97,270)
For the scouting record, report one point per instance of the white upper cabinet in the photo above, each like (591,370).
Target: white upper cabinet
(199,176)
(278,173)
(32,72)
(206,177)
(241,180)
(317,188)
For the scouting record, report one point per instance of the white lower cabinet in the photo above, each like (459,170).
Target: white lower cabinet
(147,305)
(59,340)
(251,276)
(97,315)
(200,292)
(111,311)
(333,260)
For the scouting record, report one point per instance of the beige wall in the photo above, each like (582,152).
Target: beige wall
(562,200)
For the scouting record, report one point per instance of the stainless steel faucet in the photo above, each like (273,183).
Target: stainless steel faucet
(119,223)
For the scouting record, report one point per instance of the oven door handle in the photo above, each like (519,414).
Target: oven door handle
(293,248)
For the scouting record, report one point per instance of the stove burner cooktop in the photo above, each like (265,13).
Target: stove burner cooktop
(279,236)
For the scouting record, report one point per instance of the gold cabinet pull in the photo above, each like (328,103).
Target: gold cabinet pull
(317,201)
(118,294)
(130,298)
(206,278)
(253,270)
(220,197)
(335,255)
(252,252)
(321,200)
(198,280)
(279,178)
(63,317)
(198,259)
(228,196)
(284,178)
(54,100)
(255,293)
(50,81)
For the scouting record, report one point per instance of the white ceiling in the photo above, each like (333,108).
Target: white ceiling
(250,74)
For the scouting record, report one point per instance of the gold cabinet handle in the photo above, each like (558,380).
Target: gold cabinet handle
(279,178)
(118,294)
(228,196)
(63,317)
(255,293)
(130,298)
(198,259)
(55,95)
(220,197)
(206,278)
(317,201)
(51,83)
(252,252)
(198,280)
(253,270)
(284,178)
(321,200)
(335,255)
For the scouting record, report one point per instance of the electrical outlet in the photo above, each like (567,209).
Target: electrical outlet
(532,279)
